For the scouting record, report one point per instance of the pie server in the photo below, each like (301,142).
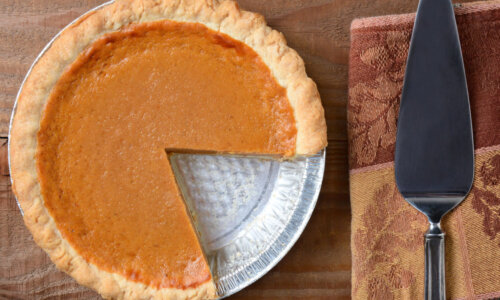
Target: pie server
(434,161)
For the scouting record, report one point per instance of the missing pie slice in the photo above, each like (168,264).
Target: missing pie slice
(113,91)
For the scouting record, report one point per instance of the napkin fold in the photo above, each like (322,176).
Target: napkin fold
(387,233)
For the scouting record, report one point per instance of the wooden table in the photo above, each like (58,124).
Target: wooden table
(318,266)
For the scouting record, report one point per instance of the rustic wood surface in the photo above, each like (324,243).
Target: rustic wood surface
(318,266)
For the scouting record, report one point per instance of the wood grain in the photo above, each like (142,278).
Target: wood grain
(318,266)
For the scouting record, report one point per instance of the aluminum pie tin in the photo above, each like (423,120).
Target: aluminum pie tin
(248,210)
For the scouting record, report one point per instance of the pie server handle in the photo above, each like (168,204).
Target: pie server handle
(434,263)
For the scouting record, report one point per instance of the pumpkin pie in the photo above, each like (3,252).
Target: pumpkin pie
(115,91)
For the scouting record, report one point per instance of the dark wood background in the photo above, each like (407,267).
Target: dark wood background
(319,265)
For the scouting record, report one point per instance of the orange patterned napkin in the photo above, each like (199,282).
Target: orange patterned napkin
(387,233)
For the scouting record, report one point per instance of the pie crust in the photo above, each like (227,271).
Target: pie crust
(224,16)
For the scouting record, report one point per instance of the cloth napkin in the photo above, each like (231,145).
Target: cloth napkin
(387,233)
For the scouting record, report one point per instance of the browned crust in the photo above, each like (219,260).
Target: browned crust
(225,16)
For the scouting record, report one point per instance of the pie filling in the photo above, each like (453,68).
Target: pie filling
(104,173)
